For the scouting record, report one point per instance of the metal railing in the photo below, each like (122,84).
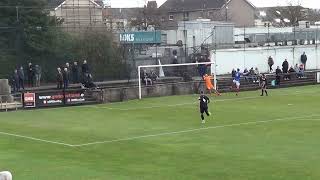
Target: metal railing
(11,102)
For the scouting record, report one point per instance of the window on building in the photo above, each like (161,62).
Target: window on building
(171,17)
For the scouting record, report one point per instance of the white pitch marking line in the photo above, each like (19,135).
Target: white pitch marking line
(173,105)
(127,139)
(192,130)
(161,134)
(182,104)
(36,139)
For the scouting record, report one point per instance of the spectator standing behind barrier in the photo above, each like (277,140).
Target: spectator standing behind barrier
(37,72)
(75,73)
(15,81)
(59,78)
(278,75)
(69,71)
(65,78)
(233,73)
(304,59)
(30,74)
(285,68)
(270,63)
(21,77)
(85,69)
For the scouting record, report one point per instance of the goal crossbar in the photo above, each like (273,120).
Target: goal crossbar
(166,65)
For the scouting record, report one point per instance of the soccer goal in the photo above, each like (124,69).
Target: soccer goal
(188,71)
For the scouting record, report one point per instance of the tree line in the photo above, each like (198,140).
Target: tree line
(29,34)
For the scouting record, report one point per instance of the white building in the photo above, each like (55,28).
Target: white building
(79,13)
(200,32)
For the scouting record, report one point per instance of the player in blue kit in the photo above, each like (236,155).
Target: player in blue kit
(236,81)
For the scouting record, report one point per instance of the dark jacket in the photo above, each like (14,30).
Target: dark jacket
(65,75)
(85,68)
(233,73)
(59,77)
(285,66)
(304,58)
(21,74)
(75,70)
(15,77)
(278,72)
(30,71)
(291,70)
(270,61)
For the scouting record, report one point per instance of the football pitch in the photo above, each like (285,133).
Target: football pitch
(247,138)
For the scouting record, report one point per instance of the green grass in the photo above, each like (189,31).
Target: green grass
(286,146)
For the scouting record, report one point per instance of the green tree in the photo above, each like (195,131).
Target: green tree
(29,32)
(102,53)
(32,35)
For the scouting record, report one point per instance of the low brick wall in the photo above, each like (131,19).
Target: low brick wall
(125,93)
(185,88)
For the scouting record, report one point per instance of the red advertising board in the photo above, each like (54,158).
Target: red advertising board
(74,98)
(29,100)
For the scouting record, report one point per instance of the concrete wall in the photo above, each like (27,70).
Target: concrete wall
(5,91)
(257,57)
(124,94)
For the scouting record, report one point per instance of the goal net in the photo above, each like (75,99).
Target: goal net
(150,75)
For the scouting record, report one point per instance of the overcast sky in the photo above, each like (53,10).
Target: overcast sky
(258,3)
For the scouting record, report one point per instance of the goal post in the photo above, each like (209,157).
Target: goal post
(174,65)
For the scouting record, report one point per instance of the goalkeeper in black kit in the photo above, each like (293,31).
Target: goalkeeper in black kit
(204,101)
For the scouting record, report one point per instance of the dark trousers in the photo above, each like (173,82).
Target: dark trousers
(65,84)
(21,83)
(59,84)
(75,78)
(278,80)
(30,80)
(16,87)
(270,67)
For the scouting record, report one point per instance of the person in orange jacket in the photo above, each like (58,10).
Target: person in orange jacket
(209,85)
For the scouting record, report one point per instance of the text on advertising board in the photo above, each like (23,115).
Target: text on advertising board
(29,100)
